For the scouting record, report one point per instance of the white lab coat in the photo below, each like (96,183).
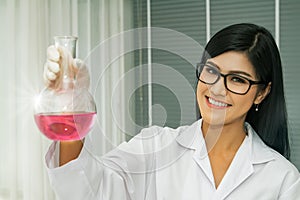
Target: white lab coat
(172,164)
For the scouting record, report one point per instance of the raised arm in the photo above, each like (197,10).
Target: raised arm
(69,150)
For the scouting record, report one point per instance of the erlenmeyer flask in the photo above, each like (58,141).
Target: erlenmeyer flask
(67,112)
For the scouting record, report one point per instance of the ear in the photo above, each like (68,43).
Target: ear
(262,94)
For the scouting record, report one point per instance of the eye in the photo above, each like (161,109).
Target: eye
(211,70)
(238,79)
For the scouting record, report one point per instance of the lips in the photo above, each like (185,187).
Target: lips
(216,103)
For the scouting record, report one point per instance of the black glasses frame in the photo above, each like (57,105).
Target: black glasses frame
(200,66)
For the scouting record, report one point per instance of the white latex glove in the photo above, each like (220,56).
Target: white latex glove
(52,68)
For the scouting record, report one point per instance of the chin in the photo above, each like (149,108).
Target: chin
(214,121)
(217,118)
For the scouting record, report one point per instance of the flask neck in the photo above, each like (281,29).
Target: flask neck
(68,42)
(67,72)
(67,84)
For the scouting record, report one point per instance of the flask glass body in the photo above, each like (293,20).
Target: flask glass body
(66,111)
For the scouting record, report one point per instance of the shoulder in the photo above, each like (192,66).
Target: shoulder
(156,136)
(284,167)
(288,174)
(262,153)
(147,141)
(281,161)
(273,165)
(158,132)
(138,154)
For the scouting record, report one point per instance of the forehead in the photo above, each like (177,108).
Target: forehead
(232,61)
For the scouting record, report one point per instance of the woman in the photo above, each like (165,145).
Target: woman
(236,150)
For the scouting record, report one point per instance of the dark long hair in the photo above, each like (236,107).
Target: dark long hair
(270,122)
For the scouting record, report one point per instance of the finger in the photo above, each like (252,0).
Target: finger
(52,53)
(77,63)
(63,52)
(82,76)
(50,76)
(53,67)
(49,84)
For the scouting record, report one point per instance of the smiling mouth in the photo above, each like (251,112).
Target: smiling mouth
(216,104)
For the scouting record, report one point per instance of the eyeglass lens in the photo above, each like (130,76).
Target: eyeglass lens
(233,82)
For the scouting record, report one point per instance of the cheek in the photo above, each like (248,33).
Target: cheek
(243,103)
(202,90)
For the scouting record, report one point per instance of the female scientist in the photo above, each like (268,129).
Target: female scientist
(238,149)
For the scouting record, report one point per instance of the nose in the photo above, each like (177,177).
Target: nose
(219,89)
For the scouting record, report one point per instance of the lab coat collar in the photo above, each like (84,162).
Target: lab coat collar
(189,137)
(252,151)
(192,138)
(242,166)
(260,152)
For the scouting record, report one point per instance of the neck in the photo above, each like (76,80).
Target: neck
(221,138)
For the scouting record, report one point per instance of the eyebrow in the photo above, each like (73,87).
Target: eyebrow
(230,72)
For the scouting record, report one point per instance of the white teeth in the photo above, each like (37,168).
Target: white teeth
(217,103)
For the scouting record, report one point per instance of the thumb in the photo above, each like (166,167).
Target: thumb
(66,62)
(82,76)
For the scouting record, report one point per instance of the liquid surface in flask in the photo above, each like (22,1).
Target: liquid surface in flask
(66,126)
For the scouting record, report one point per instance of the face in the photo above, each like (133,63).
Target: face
(217,105)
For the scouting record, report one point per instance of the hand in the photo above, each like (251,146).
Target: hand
(53,69)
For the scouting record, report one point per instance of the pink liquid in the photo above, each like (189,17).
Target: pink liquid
(64,127)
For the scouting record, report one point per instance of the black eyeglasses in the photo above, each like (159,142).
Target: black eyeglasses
(235,83)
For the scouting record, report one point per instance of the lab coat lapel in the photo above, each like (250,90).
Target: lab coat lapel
(202,159)
(252,151)
(240,169)
(260,152)
(192,138)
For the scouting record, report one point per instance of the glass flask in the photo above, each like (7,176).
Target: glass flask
(68,111)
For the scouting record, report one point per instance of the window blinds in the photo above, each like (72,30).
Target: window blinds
(189,18)
(290,54)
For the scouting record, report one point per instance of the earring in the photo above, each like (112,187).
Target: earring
(256,107)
